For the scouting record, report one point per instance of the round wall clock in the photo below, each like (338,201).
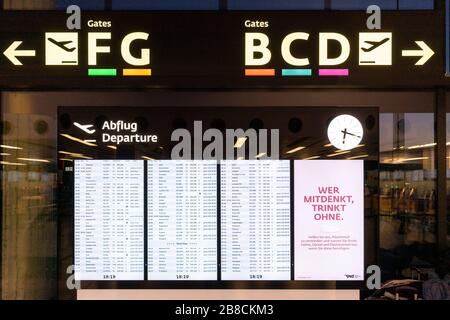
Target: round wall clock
(345,132)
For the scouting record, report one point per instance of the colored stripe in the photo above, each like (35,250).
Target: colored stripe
(296,72)
(260,72)
(137,72)
(333,72)
(102,72)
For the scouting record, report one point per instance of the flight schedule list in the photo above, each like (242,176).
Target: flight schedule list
(109,220)
(182,220)
(255,220)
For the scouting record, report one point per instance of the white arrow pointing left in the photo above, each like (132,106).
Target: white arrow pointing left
(12,53)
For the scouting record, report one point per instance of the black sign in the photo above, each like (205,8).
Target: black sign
(94,132)
(221,50)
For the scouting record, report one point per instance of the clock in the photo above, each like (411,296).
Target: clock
(345,132)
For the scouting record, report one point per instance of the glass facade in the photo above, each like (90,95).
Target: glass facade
(405,214)
(218,4)
(29,237)
(403,219)
(408,189)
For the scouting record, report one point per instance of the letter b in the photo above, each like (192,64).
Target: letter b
(257,42)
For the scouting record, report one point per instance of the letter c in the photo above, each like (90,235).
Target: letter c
(286,49)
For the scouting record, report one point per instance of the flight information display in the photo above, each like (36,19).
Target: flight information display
(182,220)
(255,220)
(109,220)
(232,220)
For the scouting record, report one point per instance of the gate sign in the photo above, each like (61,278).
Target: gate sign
(220,50)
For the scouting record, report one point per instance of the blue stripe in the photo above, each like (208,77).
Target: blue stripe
(296,72)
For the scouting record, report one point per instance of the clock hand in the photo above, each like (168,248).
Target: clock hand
(345,135)
(350,134)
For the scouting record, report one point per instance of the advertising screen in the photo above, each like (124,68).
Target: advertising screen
(329,219)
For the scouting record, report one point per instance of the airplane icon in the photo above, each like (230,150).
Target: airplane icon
(62,44)
(61,48)
(374,44)
(85,128)
(375,49)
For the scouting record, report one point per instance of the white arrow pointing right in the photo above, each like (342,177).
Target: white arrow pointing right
(425,53)
(12,53)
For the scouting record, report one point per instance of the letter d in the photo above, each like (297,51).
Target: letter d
(324,60)
(251,47)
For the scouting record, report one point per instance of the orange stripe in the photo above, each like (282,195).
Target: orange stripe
(260,72)
(137,72)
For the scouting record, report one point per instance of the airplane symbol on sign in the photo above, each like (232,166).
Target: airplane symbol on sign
(62,44)
(85,128)
(61,48)
(374,44)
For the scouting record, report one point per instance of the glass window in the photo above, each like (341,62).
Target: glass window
(165,5)
(448,178)
(29,235)
(363,4)
(52,4)
(275,5)
(83,4)
(28,5)
(407,191)
(416,4)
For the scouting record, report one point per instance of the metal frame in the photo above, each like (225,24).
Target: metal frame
(108,5)
(441,166)
(1,205)
(441,148)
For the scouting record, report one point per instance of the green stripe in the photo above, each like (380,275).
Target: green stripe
(102,72)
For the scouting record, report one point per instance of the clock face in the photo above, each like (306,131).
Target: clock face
(345,132)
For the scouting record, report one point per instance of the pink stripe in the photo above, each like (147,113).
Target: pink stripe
(333,72)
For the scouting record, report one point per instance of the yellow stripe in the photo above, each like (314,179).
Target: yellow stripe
(137,72)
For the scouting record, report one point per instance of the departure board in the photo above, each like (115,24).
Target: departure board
(182,220)
(255,220)
(109,220)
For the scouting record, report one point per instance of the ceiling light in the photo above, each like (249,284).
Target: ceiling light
(295,150)
(421,146)
(6,163)
(312,158)
(358,157)
(410,159)
(34,160)
(10,147)
(240,142)
(337,154)
(68,136)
